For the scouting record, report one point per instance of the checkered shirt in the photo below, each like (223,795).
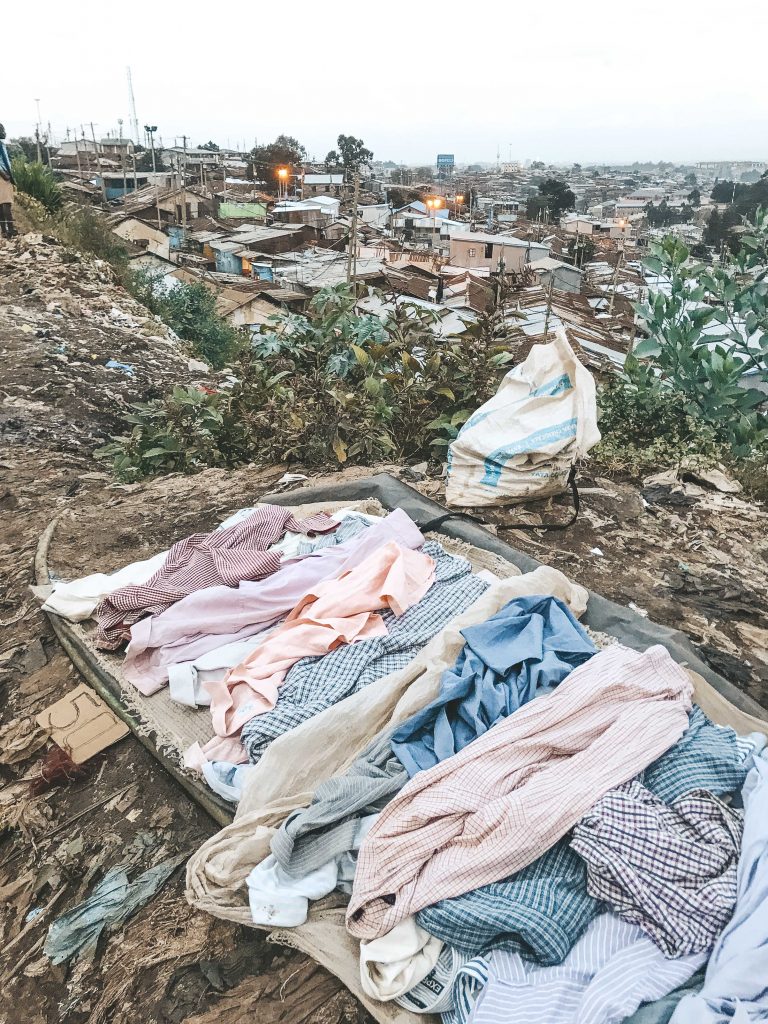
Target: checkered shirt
(314,684)
(671,869)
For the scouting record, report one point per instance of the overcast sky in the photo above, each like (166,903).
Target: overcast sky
(602,80)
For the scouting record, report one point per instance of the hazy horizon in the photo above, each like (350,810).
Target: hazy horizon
(658,82)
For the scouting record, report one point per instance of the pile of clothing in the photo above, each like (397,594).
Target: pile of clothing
(513,820)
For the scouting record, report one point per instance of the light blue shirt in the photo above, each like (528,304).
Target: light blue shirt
(735,987)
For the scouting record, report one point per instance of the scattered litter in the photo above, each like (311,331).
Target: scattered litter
(198,366)
(127,368)
(714,478)
(597,551)
(57,766)
(292,478)
(19,739)
(636,608)
(82,724)
(109,906)
(35,912)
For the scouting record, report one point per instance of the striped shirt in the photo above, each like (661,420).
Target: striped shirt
(224,557)
(503,800)
(612,969)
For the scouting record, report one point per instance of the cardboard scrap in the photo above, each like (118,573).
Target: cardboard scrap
(82,724)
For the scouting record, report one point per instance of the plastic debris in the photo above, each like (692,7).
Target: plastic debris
(113,364)
(109,906)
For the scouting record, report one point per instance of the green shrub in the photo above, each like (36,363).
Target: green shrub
(36,180)
(190,309)
(329,385)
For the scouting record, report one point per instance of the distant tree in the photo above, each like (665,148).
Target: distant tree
(750,177)
(664,215)
(332,158)
(211,146)
(353,153)
(727,191)
(424,174)
(719,229)
(553,200)
(537,165)
(285,151)
(25,146)
(691,180)
(144,161)
(475,168)
(694,197)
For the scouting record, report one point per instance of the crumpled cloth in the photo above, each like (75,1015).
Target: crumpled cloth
(526,649)
(671,869)
(503,800)
(239,552)
(109,906)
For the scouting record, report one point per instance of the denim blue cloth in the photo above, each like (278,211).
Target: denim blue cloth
(524,650)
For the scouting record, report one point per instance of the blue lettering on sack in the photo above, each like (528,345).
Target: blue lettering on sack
(556,386)
(495,462)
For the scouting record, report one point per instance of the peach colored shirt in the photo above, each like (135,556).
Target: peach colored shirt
(334,612)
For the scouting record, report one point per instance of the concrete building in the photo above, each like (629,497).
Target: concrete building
(322,184)
(473,249)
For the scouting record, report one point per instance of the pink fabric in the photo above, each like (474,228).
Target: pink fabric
(239,552)
(216,616)
(503,800)
(337,611)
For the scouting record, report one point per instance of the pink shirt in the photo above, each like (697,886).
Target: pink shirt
(216,616)
(503,800)
(334,612)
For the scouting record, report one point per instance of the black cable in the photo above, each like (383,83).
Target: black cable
(437,522)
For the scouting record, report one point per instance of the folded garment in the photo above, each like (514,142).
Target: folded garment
(671,869)
(316,683)
(239,552)
(226,779)
(506,798)
(335,612)
(611,970)
(277,900)
(736,982)
(434,994)
(215,616)
(392,965)
(524,650)
(542,910)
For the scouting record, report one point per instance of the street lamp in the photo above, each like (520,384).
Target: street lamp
(150,129)
(459,201)
(282,186)
(434,204)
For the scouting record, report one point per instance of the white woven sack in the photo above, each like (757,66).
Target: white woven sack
(522,443)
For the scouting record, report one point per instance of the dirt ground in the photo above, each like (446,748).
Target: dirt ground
(686,553)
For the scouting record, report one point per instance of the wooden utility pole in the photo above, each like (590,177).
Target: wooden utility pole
(549,304)
(615,278)
(98,159)
(77,154)
(352,254)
